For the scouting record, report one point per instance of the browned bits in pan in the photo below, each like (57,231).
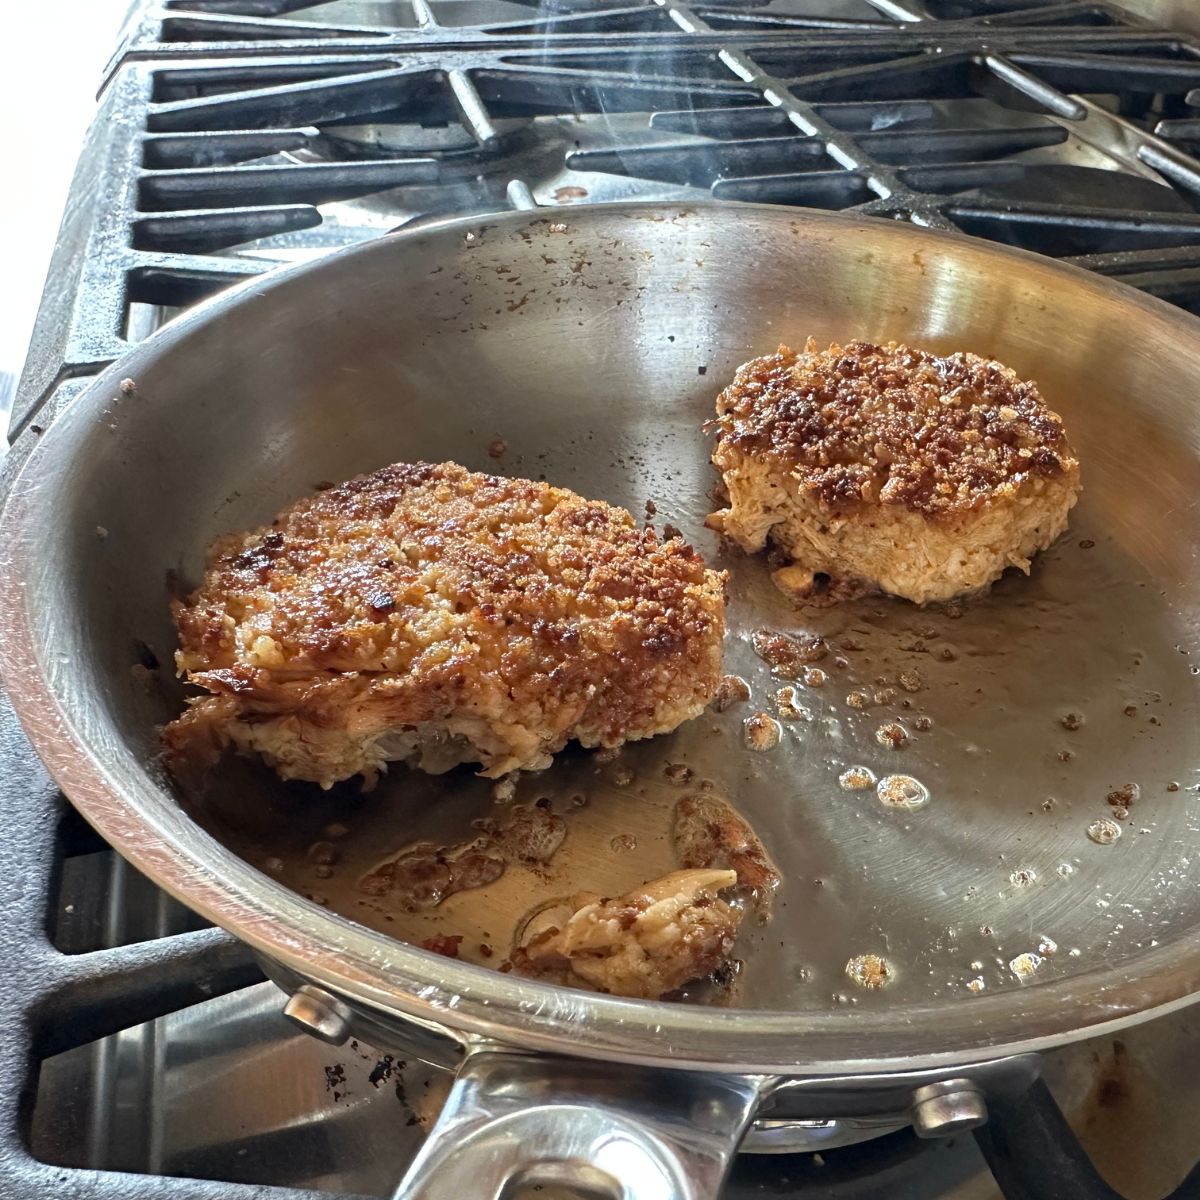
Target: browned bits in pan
(446,944)
(732,690)
(788,654)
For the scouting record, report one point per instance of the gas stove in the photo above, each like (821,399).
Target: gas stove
(144,1054)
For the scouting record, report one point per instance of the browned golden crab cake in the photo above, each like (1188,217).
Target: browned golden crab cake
(884,467)
(429,614)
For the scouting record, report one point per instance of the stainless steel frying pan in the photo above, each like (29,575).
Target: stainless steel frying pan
(591,344)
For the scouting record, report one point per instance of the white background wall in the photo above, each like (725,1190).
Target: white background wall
(51,56)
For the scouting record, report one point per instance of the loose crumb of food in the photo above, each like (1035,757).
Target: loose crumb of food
(623,775)
(787,654)
(623,842)
(856,779)
(902,792)
(128,387)
(708,832)
(606,754)
(1172,786)
(444,944)
(922,723)
(1071,721)
(869,971)
(1130,710)
(1125,796)
(976,985)
(531,835)
(679,774)
(671,531)
(1086,544)
(1024,965)
(732,689)
(762,732)
(1065,756)
(651,508)
(497,448)
(647,943)
(1047,947)
(858,700)
(101,532)
(910,680)
(503,790)
(893,735)
(425,874)
(788,706)
(485,950)
(813,677)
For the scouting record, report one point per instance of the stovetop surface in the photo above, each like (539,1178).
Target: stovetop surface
(233,136)
(236,135)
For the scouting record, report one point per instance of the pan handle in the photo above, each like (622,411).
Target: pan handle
(613,1131)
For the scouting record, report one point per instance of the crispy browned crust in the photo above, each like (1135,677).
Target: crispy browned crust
(424,592)
(861,423)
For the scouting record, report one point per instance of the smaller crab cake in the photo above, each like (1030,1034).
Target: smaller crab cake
(892,469)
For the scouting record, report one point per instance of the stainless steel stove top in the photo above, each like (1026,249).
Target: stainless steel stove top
(227,1090)
(233,136)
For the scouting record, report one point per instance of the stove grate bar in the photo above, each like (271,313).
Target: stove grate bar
(197,26)
(93,995)
(277,184)
(205,148)
(57,1000)
(250,8)
(200,230)
(1098,72)
(306,102)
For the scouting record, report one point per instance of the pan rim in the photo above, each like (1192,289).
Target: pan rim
(145,826)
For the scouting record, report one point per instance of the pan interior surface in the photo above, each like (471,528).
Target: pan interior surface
(587,350)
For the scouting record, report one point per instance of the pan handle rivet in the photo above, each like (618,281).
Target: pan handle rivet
(951,1106)
(318,1013)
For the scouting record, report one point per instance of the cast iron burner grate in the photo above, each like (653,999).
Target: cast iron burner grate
(236,135)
